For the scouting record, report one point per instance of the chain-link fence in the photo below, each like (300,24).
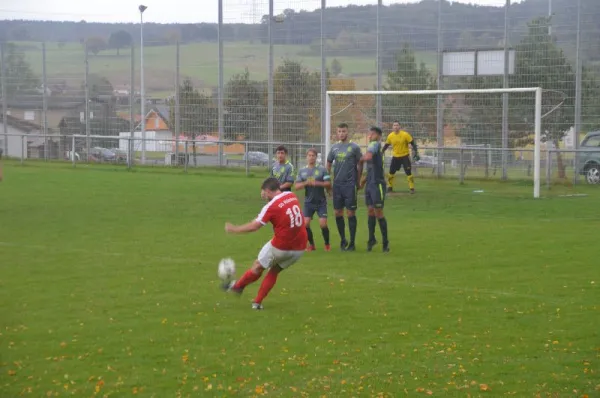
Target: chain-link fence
(258,78)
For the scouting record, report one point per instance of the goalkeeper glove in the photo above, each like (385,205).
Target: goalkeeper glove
(416,157)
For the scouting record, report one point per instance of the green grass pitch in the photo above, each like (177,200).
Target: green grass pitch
(108,287)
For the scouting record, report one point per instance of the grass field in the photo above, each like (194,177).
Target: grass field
(197,61)
(108,287)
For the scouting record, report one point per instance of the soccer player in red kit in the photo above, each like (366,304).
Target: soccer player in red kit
(287,246)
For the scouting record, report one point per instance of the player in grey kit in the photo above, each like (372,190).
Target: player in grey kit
(375,189)
(283,169)
(347,169)
(314,179)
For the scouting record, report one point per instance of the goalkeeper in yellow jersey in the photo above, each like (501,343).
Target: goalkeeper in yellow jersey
(399,141)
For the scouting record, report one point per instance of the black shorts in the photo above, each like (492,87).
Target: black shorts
(310,209)
(345,196)
(375,195)
(398,163)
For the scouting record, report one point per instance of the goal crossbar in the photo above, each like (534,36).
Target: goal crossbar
(538,115)
(434,92)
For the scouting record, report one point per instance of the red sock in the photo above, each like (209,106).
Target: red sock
(246,279)
(266,286)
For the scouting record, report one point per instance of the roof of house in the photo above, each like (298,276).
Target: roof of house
(155,109)
(22,125)
(164,111)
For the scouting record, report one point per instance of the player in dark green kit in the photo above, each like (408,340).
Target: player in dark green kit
(347,169)
(314,179)
(375,188)
(283,170)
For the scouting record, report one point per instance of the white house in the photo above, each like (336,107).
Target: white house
(20,134)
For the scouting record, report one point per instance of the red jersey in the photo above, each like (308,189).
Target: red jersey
(283,211)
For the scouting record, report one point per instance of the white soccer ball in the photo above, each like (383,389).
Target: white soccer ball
(226,269)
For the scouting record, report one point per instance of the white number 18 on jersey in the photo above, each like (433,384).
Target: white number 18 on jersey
(295,215)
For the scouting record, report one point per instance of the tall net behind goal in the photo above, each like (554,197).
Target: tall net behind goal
(462,134)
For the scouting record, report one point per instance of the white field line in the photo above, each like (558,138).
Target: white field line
(333,275)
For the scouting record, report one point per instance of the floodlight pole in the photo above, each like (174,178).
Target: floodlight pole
(4,94)
(578,77)
(324,136)
(379,88)
(221,91)
(550,15)
(440,86)
(142,8)
(505,97)
(270,82)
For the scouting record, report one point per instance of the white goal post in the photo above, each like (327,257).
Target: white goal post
(537,119)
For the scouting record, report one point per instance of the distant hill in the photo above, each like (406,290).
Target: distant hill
(350,28)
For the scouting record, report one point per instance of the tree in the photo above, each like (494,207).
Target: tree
(18,73)
(173,37)
(477,118)
(297,94)
(20,34)
(95,44)
(197,113)
(357,110)
(541,63)
(416,113)
(245,110)
(336,67)
(590,112)
(99,86)
(119,40)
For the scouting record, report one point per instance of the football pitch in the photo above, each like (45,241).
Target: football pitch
(108,287)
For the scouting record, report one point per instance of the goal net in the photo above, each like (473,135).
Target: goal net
(462,134)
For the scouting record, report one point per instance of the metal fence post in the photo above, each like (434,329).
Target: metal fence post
(548,167)
(185,160)
(23,148)
(87,104)
(130,153)
(177,104)
(73,150)
(4,97)
(461,176)
(487,161)
(247,159)
(45,101)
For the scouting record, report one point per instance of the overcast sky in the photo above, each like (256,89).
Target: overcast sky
(171,11)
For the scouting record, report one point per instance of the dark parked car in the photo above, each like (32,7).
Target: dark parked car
(588,163)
